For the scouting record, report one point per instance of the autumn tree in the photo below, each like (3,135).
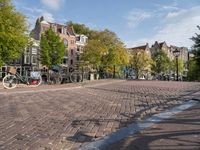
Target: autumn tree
(161,63)
(13,29)
(140,61)
(180,66)
(104,48)
(52,48)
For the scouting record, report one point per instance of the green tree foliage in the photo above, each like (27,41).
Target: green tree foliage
(104,48)
(180,66)
(13,29)
(94,52)
(195,67)
(80,28)
(52,48)
(140,61)
(193,72)
(161,63)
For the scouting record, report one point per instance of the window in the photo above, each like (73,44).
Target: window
(65,42)
(34,50)
(27,50)
(78,57)
(82,40)
(71,61)
(78,38)
(59,30)
(72,41)
(27,59)
(17,61)
(64,61)
(34,59)
(72,51)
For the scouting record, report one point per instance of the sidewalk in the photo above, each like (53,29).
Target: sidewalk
(182,132)
(22,88)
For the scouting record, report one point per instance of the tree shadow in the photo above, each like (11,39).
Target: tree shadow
(128,118)
(163,137)
(80,137)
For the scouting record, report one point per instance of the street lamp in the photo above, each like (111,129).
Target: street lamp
(176,53)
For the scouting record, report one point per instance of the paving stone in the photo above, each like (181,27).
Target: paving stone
(55,119)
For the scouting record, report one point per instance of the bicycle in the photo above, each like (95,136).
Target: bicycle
(80,75)
(76,76)
(13,78)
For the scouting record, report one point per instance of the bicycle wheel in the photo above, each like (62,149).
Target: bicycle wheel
(35,82)
(76,77)
(56,78)
(9,81)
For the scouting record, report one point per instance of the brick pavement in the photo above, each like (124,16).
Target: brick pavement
(66,119)
(182,132)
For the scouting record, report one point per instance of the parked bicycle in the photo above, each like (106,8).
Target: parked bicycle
(13,78)
(80,75)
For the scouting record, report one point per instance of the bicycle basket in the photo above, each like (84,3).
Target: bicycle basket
(35,74)
(12,70)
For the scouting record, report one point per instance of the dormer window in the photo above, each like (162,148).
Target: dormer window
(59,30)
(78,38)
(65,42)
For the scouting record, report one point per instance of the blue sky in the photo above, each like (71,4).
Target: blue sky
(136,22)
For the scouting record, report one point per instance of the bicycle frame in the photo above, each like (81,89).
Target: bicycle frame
(21,78)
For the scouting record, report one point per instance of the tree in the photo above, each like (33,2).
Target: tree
(94,53)
(13,29)
(180,66)
(196,52)
(52,48)
(80,28)
(193,72)
(140,61)
(161,63)
(104,48)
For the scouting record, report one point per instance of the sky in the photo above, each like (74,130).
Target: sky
(136,22)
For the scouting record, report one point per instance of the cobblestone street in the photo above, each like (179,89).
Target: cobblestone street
(68,118)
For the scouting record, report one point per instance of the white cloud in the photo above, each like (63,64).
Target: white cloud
(32,18)
(32,9)
(48,16)
(135,17)
(53,4)
(179,27)
(172,6)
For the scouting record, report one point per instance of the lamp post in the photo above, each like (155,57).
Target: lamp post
(176,53)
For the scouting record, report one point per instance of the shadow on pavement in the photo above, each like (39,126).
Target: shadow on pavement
(174,134)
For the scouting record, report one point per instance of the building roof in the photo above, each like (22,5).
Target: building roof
(70,30)
(161,44)
(44,22)
(142,47)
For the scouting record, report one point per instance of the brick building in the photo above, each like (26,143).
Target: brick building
(142,47)
(65,32)
(169,50)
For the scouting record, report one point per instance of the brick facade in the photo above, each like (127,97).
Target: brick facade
(65,32)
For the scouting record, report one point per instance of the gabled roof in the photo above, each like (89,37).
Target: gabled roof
(142,47)
(70,30)
(160,45)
